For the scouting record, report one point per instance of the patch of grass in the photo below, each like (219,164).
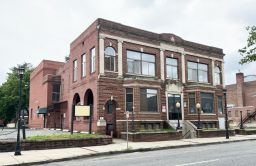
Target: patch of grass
(63,136)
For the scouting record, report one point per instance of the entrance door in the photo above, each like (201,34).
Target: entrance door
(174,112)
(110,116)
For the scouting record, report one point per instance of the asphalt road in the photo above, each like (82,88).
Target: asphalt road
(231,154)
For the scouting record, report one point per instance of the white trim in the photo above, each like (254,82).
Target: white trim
(120,58)
(183,69)
(162,64)
(162,46)
(213,72)
(101,55)
(142,85)
(223,75)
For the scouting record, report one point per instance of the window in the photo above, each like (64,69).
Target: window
(197,72)
(207,102)
(83,65)
(172,68)
(55,92)
(220,105)
(192,103)
(92,60)
(74,70)
(148,100)
(129,99)
(109,60)
(140,63)
(110,107)
(217,75)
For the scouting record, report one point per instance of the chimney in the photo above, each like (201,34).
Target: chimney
(240,89)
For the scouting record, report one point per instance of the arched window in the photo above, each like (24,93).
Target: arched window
(109,56)
(217,75)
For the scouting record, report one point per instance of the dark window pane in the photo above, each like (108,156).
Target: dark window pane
(110,107)
(207,102)
(220,105)
(148,100)
(129,99)
(192,103)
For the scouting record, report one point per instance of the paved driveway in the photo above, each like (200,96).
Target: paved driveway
(11,134)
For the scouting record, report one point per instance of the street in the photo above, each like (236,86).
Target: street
(235,154)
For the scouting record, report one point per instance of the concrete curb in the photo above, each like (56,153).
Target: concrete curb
(129,151)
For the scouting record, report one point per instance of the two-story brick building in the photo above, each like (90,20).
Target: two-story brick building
(117,68)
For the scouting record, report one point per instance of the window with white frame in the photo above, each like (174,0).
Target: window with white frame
(217,75)
(197,72)
(93,60)
(140,63)
(109,59)
(74,70)
(83,65)
(172,68)
(129,99)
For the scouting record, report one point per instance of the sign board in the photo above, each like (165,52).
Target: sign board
(163,108)
(82,110)
(127,114)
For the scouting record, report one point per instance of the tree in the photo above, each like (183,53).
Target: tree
(9,93)
(249,51)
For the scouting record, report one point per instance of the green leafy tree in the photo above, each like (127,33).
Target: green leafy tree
(9,93)
(249,51)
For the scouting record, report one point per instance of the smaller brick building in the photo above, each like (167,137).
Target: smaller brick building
(241,98)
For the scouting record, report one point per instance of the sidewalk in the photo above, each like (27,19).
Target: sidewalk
(119,146)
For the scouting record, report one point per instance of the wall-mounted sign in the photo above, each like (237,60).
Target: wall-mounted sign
(82,110)
(163,108)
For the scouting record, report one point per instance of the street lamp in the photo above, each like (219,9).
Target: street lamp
(226,113)
(198,106)
(20,71)
(178,107)
(241,121)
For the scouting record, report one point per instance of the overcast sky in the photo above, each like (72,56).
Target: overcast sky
(33,30)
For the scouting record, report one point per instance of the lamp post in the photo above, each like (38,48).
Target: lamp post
(20,71)
(241,121)
(198,106)
(178,107)
(226,113)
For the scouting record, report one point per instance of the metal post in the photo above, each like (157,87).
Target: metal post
(127,136)
(226,113)
(198,122)
(17,149)
(241,121)
(44,121)
(23,125)
(72,119)
(90,120)
(133,127)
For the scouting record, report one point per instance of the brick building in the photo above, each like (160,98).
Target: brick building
(117,68)
(241,98)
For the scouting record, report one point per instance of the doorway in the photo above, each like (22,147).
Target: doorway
(173,111)
(110,116)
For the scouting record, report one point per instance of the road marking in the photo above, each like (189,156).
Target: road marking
(200,162)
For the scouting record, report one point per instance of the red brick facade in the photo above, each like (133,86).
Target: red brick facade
(101,86)
(241,98)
